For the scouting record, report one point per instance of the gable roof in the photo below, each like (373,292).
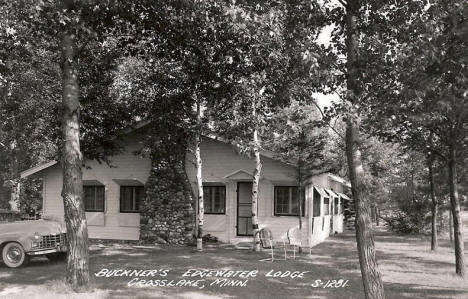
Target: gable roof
(265,153)
(339,180)
(38,168)
(239,171)
(239,174)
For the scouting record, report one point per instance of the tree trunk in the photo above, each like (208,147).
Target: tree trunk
(377,221)
(299,182)
(457,221)
(371,279)
(198,158)
(434,241)
(16,183)
(256,182)
(450,226)
(15,196)
(299,166)
(77,275)
(412,183)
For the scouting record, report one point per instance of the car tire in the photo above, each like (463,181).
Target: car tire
(57,256)
(14,256)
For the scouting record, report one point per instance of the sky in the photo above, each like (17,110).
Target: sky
(322,99)
(324,39)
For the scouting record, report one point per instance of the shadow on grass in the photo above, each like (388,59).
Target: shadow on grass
(334,259)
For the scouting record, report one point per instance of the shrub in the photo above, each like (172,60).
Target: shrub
(209,239)
(411,217)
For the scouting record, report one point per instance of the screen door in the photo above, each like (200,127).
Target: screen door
(244,209)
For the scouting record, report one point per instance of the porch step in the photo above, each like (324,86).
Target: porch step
(244,245)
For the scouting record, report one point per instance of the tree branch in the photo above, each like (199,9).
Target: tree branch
(437,153)
(328,124)
(345,5)
(80,49)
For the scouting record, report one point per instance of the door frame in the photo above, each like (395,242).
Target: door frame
(237,208)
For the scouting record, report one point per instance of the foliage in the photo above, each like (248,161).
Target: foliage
(29,89)
(30,200)
(424,99)
(407,205)
(411,219)
(294,135)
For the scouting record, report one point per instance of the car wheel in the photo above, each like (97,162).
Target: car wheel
(56,256)
(13,255)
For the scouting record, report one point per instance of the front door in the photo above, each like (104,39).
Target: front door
(244,209)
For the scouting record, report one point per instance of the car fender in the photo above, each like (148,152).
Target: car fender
(23,232)
(24,241)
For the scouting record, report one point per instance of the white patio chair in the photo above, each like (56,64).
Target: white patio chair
(294,238)
(266,241)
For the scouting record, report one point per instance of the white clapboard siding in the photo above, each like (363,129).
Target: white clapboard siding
(111,224)
(338,223)
(222,164)
(320,229)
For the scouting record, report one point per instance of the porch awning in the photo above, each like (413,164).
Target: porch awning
(322,192)
(344,196)
(92,183)
(332,193)
(128,182)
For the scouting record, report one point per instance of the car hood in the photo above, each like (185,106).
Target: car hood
(42,227)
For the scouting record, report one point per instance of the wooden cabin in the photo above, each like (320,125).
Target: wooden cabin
(112,194)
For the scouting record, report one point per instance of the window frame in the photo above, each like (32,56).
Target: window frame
(336,206)
(326,212)
(275,212)
(134,202)
(316,203)
(211,185)
(95,194)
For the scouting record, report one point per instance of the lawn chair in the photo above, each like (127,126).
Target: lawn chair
(266,241)
(294,239)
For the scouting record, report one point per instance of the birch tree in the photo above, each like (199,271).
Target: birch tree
(198,140)
(255,62)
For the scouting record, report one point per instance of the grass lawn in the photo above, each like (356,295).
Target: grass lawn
(409,269)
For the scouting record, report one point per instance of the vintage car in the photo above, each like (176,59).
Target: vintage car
(22,239)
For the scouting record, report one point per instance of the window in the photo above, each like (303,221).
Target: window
(326,205)
(342,205)
(336,206)
(316,204)
(287,201)
(214,199)
(130,198)
(94,198)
